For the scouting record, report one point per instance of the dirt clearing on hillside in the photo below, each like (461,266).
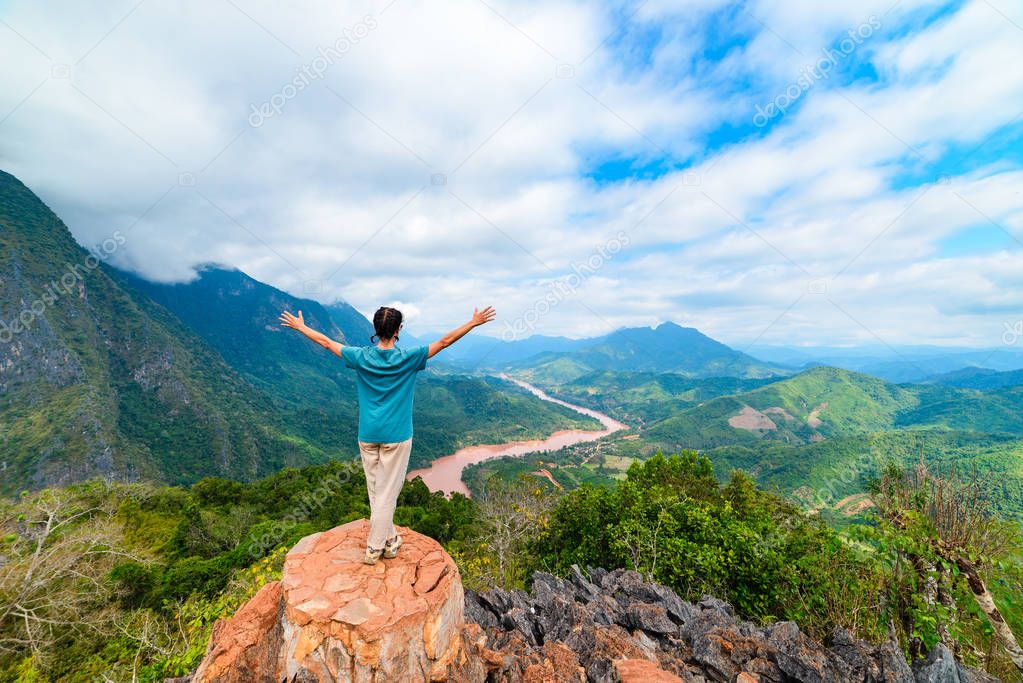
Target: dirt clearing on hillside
(752,420)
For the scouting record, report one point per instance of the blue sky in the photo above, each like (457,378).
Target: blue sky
(582,165)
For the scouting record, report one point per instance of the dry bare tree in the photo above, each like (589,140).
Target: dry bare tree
(57,548)
(955,519)
(512,513)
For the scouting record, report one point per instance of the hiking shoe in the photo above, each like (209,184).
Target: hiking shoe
(391,547)
(372,556)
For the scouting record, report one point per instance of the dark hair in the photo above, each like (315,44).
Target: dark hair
(386,322)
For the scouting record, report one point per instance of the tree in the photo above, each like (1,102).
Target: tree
(57,548)
(511,514)
(951,528)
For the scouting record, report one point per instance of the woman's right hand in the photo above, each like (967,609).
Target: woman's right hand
(294,322)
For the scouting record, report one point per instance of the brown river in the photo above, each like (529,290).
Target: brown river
(445,473)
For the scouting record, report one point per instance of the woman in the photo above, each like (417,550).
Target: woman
(385,378)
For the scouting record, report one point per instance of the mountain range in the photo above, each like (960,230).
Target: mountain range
(105,373)
(919,363)
(666,348)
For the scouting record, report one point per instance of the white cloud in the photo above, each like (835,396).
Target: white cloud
(442,160)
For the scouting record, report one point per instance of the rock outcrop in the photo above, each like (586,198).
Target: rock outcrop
(333,618)
(613,626)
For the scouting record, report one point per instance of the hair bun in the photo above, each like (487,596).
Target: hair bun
(386,322)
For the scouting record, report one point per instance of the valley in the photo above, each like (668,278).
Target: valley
(445,473)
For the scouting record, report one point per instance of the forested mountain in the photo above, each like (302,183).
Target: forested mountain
(818,436)
(666,348)
(810,406)
(979,378)
(97,378)
(828,402)
(920,363)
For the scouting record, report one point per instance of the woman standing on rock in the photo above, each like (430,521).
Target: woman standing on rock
(385,378)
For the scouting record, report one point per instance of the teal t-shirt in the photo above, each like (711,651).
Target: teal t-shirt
(386,381)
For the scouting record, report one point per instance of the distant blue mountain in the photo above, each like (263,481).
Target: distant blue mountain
(979,378)
(904,364)
(667,348)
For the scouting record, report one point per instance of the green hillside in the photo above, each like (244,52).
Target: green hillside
(817,437)
(637,398)
(822,474)
(823,403)
(813,405)
(979,378)
(95,380)
(998,410)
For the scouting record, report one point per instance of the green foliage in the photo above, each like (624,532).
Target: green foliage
(673,522)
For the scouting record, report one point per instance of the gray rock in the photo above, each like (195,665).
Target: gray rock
(704,621)
(649,618)
(857,654)
(678,609)
(557,619)
(710,602)
(602,616)
(478,612)
(709,651)
(968,675)
(939,667)
(586,589)
(893,664)
(523,621)
(606,611)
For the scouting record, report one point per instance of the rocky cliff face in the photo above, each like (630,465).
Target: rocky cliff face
(331,618)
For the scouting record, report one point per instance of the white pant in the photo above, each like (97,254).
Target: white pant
(385,465)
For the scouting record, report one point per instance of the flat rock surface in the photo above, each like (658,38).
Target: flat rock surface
(326,581)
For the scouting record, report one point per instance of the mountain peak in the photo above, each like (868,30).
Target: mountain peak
(670,326)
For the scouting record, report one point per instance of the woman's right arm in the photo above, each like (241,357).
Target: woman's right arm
(478,318)
(298,323)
